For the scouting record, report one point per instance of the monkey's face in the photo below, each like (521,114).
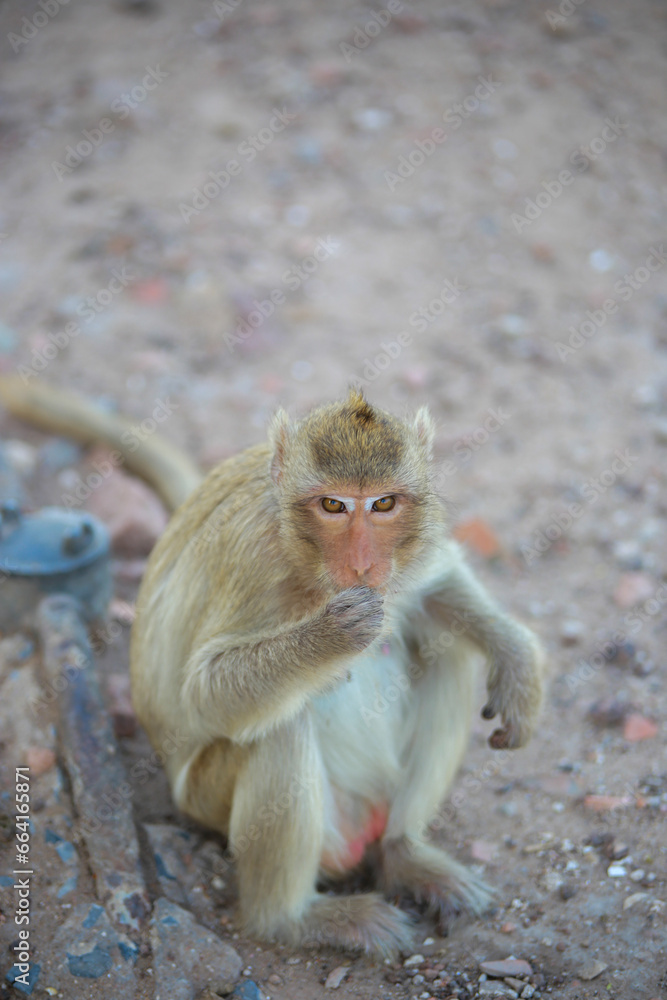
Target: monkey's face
(353,486)
(361,536)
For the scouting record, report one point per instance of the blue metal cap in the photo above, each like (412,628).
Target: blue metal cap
(51,540)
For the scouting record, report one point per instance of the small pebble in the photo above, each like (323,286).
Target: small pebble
(571,632)
(637,875)
(507,967)
(413,960)
(336,977)
(632,588)
(616,871)
(601,261)
(636,897)
(21,456)
(615,850)
(40,760)
(593,969)
(637,727)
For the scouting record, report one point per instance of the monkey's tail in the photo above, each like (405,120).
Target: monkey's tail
(165,467)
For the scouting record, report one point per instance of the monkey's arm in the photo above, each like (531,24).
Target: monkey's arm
(515,660)
(239,687)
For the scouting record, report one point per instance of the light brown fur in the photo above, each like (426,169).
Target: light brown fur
(268,626)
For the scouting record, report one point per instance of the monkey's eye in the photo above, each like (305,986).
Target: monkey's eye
(333,506)
(384,503)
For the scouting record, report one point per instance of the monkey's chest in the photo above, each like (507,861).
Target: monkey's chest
(360,723)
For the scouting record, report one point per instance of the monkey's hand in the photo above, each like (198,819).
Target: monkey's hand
(515,690)
(354,618)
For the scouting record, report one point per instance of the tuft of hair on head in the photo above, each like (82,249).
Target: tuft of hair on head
(358,407)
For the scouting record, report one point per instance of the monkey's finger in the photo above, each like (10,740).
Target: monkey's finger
(503,739)
(489,712)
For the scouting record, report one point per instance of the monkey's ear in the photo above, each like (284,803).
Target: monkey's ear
(425,430)
(279,434)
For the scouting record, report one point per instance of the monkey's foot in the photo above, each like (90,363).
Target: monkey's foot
(444,886)
(359,923)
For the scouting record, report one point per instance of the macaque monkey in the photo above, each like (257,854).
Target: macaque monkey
(298,583)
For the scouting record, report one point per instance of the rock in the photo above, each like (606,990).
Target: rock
(637,727)
(16,648)
(636,897)
(479,536)
(632,588)
(483,850)
(637,875)
(628,555)
(413,960)
(131,570)
(604,803)
(608,712)
(188,957)
(122,611)
(87,946)
(571,632)
(21,456)
(133,513)
(593,970)
(507,967)
(336,977)
(33,975)
(246,991)
(495,989)
(120,705)
(172,852)
(567,891)
(616,871)
(615,850)
(39,760)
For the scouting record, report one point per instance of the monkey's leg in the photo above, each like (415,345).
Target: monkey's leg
(436,738)
(276,835)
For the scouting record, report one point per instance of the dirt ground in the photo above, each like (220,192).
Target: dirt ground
(223,208)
